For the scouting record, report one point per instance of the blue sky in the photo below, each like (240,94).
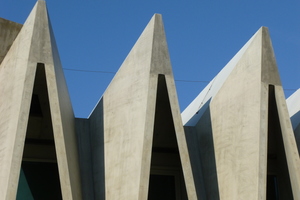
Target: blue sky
(202,36)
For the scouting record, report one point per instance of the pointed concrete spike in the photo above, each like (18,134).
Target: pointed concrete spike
(160,55)
(269,72)
(193,112)
(35,44)
(237,101)
(128,109)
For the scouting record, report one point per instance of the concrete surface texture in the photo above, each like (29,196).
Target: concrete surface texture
(249,135)
(8,32)
(234,141)
(135,130)
(33,49)
(129,118)
(293,103)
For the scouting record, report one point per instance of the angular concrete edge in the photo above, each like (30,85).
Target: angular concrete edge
(191,115)
(160,56)
(128,108)
(240,121)
(13,124)
(181,139)
(293,104)
(35,44)
(289,141)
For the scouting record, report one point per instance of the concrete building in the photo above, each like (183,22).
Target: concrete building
(234,141)
(241,127)
(37,128)
(293,103)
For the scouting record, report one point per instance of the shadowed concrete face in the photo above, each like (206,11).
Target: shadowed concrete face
(201,148)
(35,45)
(129,119)
(243,135)
(293,103)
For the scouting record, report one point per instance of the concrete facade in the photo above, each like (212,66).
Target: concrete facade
(293,103)
(33,56)
(125,131)
(234,141)
(8,33)
(249,133)
(129,130)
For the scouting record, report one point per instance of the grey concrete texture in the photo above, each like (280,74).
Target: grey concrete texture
(91,142)
(128,117)
(97,148)
(35,44)
(202,153)
(8,33)
(239,115)
(226,149)
(293,103)
(235,114)
(85,159)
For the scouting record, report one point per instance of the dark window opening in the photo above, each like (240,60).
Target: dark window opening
(272,188)
(162,187)
(165,154)
(35,108)
(39,176)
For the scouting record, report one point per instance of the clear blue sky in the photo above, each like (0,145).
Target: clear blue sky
(202,35)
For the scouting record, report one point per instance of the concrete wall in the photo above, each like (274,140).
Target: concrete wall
(8,32)
(243,131)
(128,119)
(35,44)
(237,131)
(85,159)
(293,103)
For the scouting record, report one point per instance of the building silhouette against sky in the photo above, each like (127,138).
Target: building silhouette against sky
(234,141)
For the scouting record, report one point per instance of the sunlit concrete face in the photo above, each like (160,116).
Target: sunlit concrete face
(133,130)
(32,49)
(8,32)
(293,103)
(134,139)
(237,141)
(250,133)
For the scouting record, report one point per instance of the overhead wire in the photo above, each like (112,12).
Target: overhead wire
(110,72)
(94,71)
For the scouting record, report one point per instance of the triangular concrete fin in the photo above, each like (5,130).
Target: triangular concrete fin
(287,161)
(268,65)
(240,111)
(39,161)
(129,117)
(35,44)
(165,150)
(160,60)
(192,113)
(238,99)
(283,159)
